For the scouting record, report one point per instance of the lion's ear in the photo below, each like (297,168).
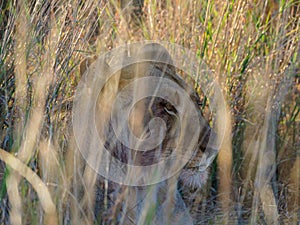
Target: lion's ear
(85,63)
(157,52)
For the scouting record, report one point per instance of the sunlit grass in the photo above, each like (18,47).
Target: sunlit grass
(251,47)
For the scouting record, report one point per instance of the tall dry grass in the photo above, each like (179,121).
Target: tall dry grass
(251,46)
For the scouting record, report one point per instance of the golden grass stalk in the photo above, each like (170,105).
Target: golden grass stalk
(36,182)
(20,99)
(224,161)
(48,162)
(29,129)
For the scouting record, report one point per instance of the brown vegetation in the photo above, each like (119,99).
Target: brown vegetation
(252,48)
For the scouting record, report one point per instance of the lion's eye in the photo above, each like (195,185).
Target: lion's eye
(170,111)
